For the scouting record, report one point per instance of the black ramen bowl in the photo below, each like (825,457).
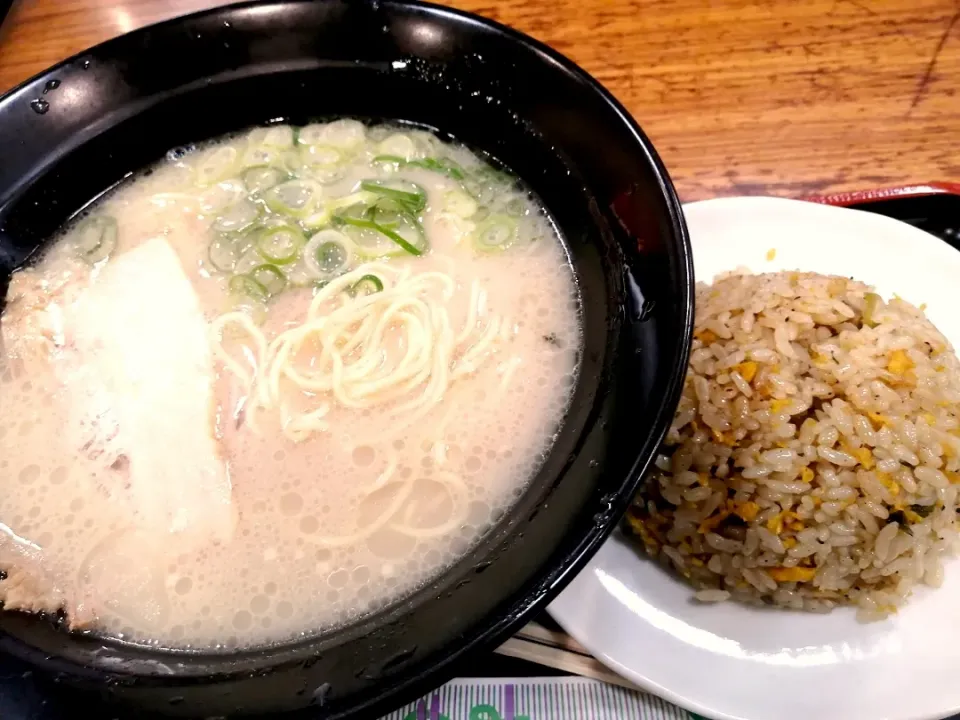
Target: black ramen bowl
(79,128)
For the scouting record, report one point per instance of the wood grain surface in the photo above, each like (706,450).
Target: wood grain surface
(782,97)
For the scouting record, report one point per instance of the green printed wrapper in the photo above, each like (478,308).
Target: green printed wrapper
(538,699)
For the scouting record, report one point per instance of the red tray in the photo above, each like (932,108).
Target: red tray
(902,192)
(933,207)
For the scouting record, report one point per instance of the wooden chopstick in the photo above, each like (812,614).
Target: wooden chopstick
(555,649)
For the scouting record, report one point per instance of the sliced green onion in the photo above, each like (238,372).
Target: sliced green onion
(279,137)
(427,143)
(367,285)
(482,214)
(226,250)
(249,259)
(324,163)
(408,195)
(359,198)
(293,161)
(300,273)
(871,304)
(96,238)
(280,244)
(369,242)
(258,179)
(217,197)
(331,257)
(322,155)
(222,254)
(515,207)
(494,175)
(320,218)
(398,144)
(486,183)
(262,155)
(323,215)
(460,204)
(382,229)
(339,133)
(444,166)
(346,133)
(237,217)
(215,164)
(328,254)
(372,249)
(378,133)
(389,160)
(293,197)
(327,175)
(311,134)
(498,232)
(246,285)
(270,278)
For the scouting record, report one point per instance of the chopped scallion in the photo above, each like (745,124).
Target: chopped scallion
(318,219)
(238,216)
(96,238)
(270,278)
(215,164)
(222,195)
(362,224)
(328,254)
(444,166)
(280,244)
(226,250)
(872,303)
(410,196)
(260,156)
(486,184)
(323,163)
(339,133)
(399,145)
(258,179)
(515,207)
(367,285)
(246,285)
(389,160)
(293,197)
(300,273)
(460,204)
(273,136)
(498,232)
(322,155)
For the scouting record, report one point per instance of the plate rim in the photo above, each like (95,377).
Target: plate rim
(684,699)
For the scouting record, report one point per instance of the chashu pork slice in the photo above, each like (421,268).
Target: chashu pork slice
(141,399)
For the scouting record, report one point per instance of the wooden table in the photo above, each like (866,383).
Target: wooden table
(782,97)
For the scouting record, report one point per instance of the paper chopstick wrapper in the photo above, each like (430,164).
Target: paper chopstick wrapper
(564,698)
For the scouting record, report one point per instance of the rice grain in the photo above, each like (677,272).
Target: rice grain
(814,459)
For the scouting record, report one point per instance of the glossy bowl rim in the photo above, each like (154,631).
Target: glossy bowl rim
(550,579)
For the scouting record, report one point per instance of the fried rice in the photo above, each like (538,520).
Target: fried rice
(814,459)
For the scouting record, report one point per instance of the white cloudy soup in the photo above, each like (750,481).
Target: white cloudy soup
(277,383)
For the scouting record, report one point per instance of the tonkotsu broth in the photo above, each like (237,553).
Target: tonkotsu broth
(249,493)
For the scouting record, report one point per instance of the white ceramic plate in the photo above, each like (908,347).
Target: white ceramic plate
(728,661)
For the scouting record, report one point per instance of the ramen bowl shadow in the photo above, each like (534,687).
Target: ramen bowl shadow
(123,104)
